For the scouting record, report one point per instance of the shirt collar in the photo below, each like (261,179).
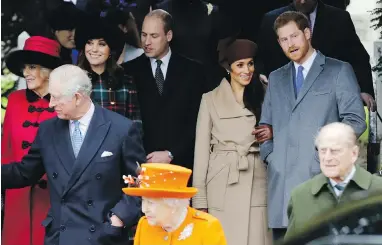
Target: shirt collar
(85,119)
(346,180)
(33,97)
(308,63)
(165,59)
(360,177)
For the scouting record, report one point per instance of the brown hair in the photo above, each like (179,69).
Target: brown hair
(164,16)
(299,18)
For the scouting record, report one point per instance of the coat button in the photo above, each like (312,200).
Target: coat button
(63,200)
(62,228)
(92,228)
(98,176)
(90,203)
(54,175)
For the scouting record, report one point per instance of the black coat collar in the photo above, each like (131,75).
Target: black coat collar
(33,97)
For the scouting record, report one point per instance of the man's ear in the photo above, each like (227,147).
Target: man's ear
(169,35)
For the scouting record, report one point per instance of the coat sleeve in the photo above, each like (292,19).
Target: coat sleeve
(202,154)
(291,218)
(6,139)
(355,53)
(215,234)
(349,102)
(128,207)
(28,171)
(266,148)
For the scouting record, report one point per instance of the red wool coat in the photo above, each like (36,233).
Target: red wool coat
(25,208)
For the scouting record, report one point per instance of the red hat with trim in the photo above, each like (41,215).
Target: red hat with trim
(37,51)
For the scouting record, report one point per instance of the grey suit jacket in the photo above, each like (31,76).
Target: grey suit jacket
(330,93)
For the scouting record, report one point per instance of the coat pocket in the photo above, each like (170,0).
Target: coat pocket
(217,178)
(47,224)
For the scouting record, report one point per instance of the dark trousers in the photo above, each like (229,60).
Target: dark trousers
(278,233)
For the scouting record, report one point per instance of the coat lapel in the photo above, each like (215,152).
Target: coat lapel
(225,103)
(174,72)
(313,73)
(95,135)
(63,145)
(287,86)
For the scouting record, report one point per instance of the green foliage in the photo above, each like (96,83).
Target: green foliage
(8,84)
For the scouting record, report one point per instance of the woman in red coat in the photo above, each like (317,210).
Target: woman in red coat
(27,108)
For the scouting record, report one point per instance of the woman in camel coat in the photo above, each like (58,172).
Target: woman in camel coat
(228,171)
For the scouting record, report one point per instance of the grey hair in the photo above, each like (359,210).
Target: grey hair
(343,131)
(73,79)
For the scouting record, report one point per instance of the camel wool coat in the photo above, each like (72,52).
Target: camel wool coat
(228,171)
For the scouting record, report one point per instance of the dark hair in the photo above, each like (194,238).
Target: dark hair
(253,95)
(125,18)
(299,18)
(164,16)
(113,69)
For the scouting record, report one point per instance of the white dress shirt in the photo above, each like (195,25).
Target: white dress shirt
(164,66)
(343,183)
(307,64)
(84,122)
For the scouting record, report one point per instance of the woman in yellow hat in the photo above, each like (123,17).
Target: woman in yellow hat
(165,202)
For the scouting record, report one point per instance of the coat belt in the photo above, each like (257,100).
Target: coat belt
(242,163)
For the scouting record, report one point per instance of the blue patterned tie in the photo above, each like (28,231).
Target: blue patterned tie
(340,187)
(76,138)
(299,79)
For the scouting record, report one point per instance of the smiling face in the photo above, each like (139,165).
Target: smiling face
(242,71)
(66,38)
(36,77)
(97,52)
(294,42)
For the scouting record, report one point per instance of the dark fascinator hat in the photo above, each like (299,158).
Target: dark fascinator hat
(66,16)
(231,49)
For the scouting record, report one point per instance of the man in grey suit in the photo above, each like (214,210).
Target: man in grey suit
(84,152)
(309,92)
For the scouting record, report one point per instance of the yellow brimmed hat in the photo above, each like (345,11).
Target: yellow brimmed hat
(160,180)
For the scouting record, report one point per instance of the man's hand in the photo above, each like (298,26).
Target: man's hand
(159,157)
(263,133)
(369,101)
(115,221)
(263,79)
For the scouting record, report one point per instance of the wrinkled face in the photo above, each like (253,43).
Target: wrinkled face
(294,42)
(336,156)
(305,6)
(242,71)
(66,38)
(157,212)
(64,105)
(36,76)
(97,52)
(155,41)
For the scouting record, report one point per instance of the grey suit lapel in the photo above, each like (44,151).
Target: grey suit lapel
(313,73)
(95,135)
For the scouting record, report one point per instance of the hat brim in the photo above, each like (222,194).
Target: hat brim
(16,60)
(160,193)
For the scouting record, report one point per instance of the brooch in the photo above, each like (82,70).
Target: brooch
(187,231)
(210,7)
